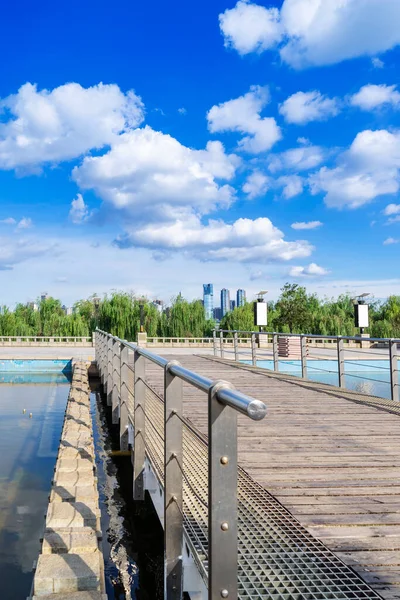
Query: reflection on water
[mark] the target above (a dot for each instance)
(133, 537)
(28, 450)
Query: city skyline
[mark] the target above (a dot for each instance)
(116, 173)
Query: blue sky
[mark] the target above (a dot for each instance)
(153, 147)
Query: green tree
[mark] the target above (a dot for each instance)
(293, 308)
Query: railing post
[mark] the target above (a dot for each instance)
(222, 498)
(109, 386)
(341, 366)
(394, 374)
(104, 342)
(116, 388)
(127, 365)
(221, 343)
(235, 345)
(140, 427)
(275, 351)
(303, 350)
(173, 486)
(253, 350)
(215, 342)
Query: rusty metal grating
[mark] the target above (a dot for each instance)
(278, 558)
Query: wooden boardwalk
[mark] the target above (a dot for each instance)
(330, 456)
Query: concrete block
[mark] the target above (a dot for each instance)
(72, 514)
(74, 478)
(58, 573)
(72, 596)
(73, 453)
(65, 465)
(69, 541)
(78, 493)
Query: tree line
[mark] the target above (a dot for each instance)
(296, 311)
(119, 313)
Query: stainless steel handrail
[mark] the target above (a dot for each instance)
(312, 336)
(118, 360)
(255, 409)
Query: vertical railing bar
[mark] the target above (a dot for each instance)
(394, 374)
(341, 364)
(253, 350)
(235, 345)
(126, 363)
(303, 351)
(221, 343)
(139, 427)
(115, 394)
(275, 351)
(222, 498)
(173, 484)
(215, 342)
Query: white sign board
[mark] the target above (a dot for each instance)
(260, 313)
(363, 315)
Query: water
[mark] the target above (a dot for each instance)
(132, 535)
(28, 451)
(366, 376)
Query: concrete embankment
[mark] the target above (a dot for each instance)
(70, 566)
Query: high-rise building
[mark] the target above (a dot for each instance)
(225, 302)
(217, 313)
(208, 300)
(159, 305)
(232, 305)
(44, 296)
(240, 297)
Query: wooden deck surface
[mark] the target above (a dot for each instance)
(330, 458)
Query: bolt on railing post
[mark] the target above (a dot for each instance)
(173, 484)
(127, 364)
(235, 345)
(341, 365)
(109, 387)
(394, 374)
(139, 449)
(275, 351)
(222, 498)
(221, 343)
(116, 384)
(253, 350)
(215, 342)
(303, 350)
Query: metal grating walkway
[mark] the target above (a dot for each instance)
(278, 558)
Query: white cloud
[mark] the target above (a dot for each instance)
(314, 32)
(79, 212)
(255, 275)
(245, 240)
(299, 159)
(256, 184)
(312, 270)
(151, 176)
(392, 209)
(292, 185)
(377, 63)
(243, 115)
(304, 107)
(373, 96)
(369, 169)
(15, 250)
(250, 28)
(25, 223)
(8, 221)
(182, 111)
(63, 123)
(306, 225)
(389, 241)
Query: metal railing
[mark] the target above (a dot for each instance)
(118, 362)
(43, 340)
(346, 357)
(180, 342)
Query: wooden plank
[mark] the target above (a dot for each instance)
(331, 456)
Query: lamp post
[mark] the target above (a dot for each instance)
(141, 309)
